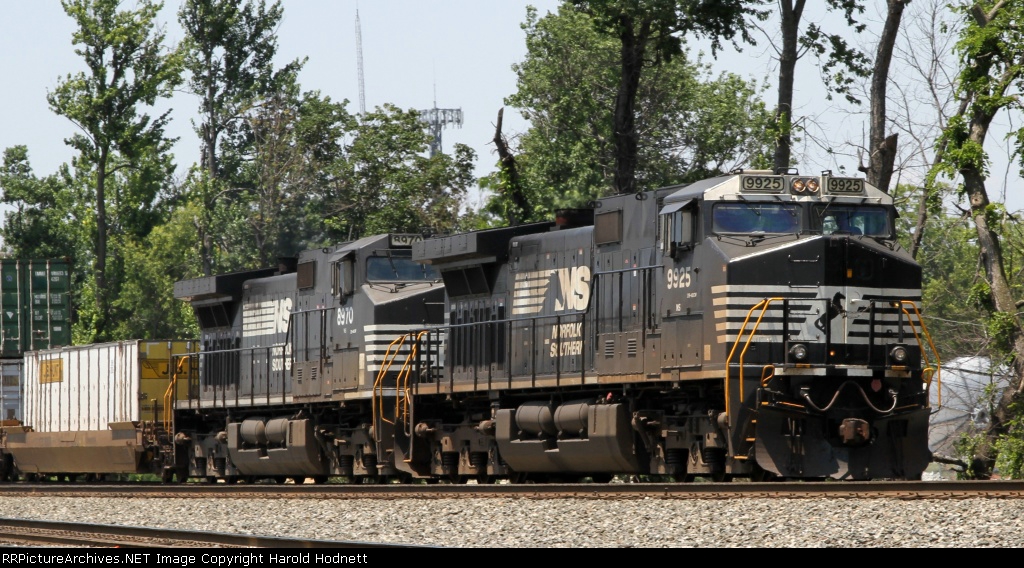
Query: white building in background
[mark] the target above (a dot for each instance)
(968, 385)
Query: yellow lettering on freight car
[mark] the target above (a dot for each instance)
(51, 371)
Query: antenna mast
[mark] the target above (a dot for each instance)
(359, 64)
(437, 119)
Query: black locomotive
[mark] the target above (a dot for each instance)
(754, 325)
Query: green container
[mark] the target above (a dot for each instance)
(35, 296)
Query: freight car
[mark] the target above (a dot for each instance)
(92, 411)
(755, 325)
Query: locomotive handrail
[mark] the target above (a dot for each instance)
(763, 304)
(401, 381)
(169, 393)
(935, 371)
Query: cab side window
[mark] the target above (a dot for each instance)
(678, 230)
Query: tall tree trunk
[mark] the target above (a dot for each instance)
(992, 260)
(100, 265)
(791, 14)
(520, 208)
(882, 148)
(634, 44)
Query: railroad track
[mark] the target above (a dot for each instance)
(20, 533)
(873, 489)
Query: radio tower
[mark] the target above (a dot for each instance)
(438, 118)
(359, 65)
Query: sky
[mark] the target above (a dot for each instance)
(455, 54)
(452, 54)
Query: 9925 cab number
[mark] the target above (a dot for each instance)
(845, 185)
(761, 183)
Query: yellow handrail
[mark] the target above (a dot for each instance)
(169, 395)
(937, 370)
(401, 381)
(378, 386)
(763, 304)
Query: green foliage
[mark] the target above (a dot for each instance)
(691, 123)
(1010, 449)
(842, 64)
(229, 49)
(967, 447)
(123, 155)
(39, 224)
(383, 181)
(1002, 328)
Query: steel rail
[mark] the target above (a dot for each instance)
(1004, 489)
(21, 532)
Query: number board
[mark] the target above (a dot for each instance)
(765, 184)
(844, 186)
(404, 240)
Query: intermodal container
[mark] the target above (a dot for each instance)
(11, 371)
(89, 387)
(35, 299)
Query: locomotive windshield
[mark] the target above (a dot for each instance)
(851, 220)
(756, 218)
(394, 268)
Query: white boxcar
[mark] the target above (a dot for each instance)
(90, 387)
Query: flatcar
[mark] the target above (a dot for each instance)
(758, 324)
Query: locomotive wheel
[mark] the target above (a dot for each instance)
(299, 479)
(602, 478)
(231, 479)
(759, 474)
(319, 479)
(519, 478)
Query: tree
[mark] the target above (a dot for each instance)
(840, 58)
(690, 124)
(40, 223)
(296, 142)
(991, 50)
(229, 49)
(385, 183)
(123, 154)
(650, 33)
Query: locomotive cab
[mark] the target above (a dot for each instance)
(811, 310)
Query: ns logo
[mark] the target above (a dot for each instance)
(574, 288)
(531, 290)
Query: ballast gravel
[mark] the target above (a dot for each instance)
(568, 523)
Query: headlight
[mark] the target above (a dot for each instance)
(812, 185)
(799, 185)
(898, 354)
(798, 352)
